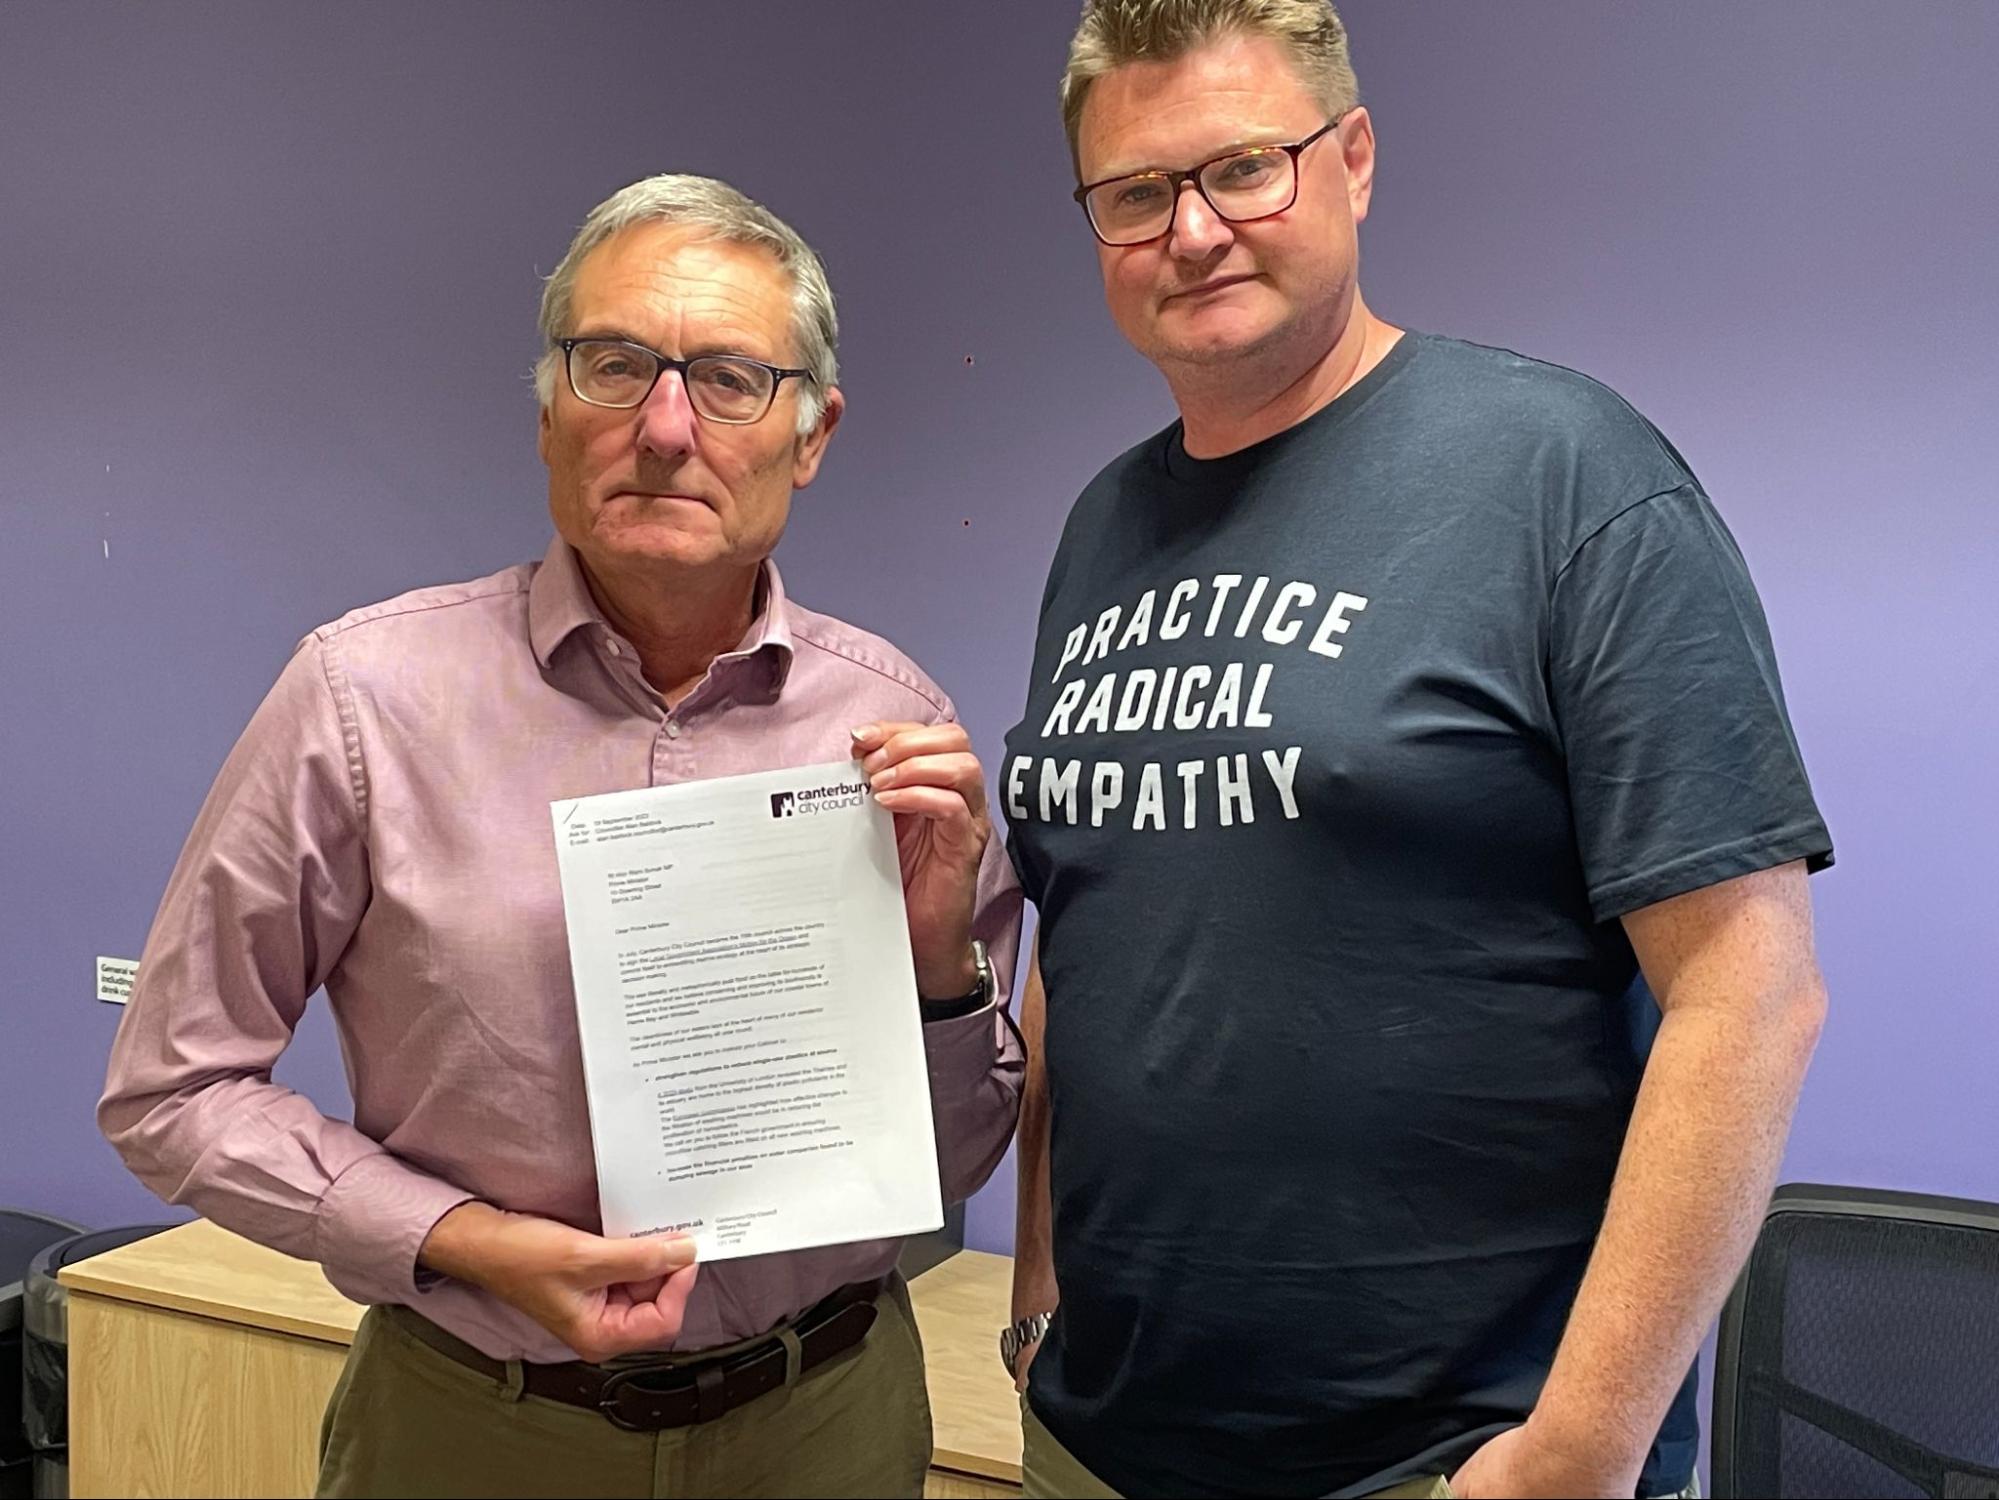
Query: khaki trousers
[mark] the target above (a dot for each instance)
(408, 1420)
(1052, 1472)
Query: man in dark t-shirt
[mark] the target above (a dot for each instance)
(1404, 744)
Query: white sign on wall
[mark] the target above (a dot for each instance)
(114, 979)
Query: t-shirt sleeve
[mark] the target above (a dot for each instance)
(1683, 770)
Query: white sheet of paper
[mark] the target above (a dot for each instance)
(752, 1043)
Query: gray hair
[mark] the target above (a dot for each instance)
(721, 213)
(1115, 32)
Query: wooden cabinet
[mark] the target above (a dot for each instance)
(200, 1364)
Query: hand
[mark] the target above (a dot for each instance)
(1520, 1462)
(927, 775)
(601, 1297)
(1026, 1359)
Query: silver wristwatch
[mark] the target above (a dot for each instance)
(984, 990)
(1015, 1340)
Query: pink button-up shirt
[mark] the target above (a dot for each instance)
(382, 829)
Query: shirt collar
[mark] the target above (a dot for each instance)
(559, 605)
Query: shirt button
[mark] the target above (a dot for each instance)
(672, 729)
(613, 647)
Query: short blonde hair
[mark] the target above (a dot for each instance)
(1115, 32)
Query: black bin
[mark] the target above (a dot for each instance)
(44, 1404)
(22, 1234)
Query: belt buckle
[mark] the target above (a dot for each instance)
(607, 1401)
(610, 1399)
(706, 1383)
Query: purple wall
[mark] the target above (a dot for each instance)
(269, 281)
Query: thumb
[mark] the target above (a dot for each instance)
(647, 1258)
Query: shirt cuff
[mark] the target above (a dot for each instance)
(372, 1224)
(961, 1050)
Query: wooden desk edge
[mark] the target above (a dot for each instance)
(119, 1289)
(975, 1466)
(119, 1276)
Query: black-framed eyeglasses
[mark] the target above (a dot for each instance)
(617, 373)
(1241, 186)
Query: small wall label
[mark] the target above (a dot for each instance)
(114, 979)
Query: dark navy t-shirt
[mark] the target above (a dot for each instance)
(1342, 756)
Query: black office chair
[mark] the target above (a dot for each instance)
(1859, 1352)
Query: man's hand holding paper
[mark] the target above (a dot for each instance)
(927, 775)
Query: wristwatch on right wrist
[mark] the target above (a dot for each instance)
(1021, 1336)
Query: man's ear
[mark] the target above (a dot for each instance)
(1356, 135)
(810, 447)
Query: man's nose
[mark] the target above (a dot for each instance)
(668, 425)
(1198, 231)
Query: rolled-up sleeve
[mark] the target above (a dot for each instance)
(976, 1062)
(267, 893)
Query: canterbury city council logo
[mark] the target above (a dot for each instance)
(818, 799)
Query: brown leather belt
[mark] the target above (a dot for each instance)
(654, 1397)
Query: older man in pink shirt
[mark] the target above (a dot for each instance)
(382, 829)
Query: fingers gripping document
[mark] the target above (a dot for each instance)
(752, 1043)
